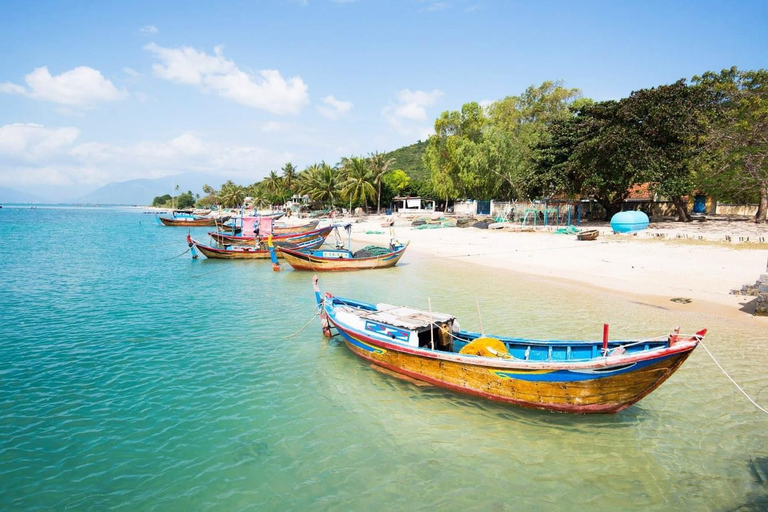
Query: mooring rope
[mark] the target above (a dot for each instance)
(317, 313)
(731, 379)
(178, 255)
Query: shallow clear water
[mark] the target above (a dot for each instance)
(135, 380)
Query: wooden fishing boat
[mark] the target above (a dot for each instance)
(342, 259)
(249, 240)
(302, 228)
(188, 221)
(563, 376)
(591, 234)
(248, 253)
(232, 228)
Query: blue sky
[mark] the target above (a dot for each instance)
(93, 92)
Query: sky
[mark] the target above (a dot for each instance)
(94, 92)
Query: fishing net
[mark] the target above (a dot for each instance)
(570, 230)
(488, 347)
(370, 251)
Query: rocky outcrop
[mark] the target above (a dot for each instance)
(761, 308)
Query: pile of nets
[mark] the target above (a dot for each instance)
(436, 226)
(371, 251)
(487, 347)
(570, 230)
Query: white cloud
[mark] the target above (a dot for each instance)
(436, 6)
(408, 115)
(266, 90)
(82, 87)
(10, 88)
(29, 142)
(334, 108)
(32, 155)
(131, 72)
(149, 29)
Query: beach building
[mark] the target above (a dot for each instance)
(413, 205)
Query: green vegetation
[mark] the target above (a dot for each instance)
(161, 201)
(185, 200)
(410, 160)
(709, 135)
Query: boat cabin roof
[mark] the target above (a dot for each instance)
(408, 318)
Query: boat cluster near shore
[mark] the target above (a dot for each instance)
(604, 376)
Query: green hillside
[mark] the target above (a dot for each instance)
(408, 158)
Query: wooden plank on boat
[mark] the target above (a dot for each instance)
(400, 376)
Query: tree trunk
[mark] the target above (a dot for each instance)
(682, 209)
(762, 208)
(378, 200)
(611, 207)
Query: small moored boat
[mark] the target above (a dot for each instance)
(188, 219)
(591, 234)
(343, 259)
(562, 376)
(248, 253)
(340, 258)
(248, 237)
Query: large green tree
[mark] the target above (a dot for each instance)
(593, 154)
(737, 161)
(670, 121)
(489, 152)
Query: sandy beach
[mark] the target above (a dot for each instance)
(697, 264)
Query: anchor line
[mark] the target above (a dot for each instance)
(731, 379)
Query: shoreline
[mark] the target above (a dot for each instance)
(650, 270)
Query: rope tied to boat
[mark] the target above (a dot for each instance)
(731, 379)
(178, 255)
(315, 315)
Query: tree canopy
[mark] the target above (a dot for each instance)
(709, 135)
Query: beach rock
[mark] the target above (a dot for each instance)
(464, 222)
(482, 224)
(761, 307)
(748, 289)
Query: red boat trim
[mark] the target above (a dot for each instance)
(679, 347)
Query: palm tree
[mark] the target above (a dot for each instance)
(232, 195)
(380, 166)
(273, 184)
(289, 176)
(357, 185)
(320, 182)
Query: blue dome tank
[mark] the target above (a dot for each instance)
(627, 222)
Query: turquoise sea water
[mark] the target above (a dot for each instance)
(133, 379)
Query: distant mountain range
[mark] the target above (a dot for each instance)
(9, 195)
(142, 191)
